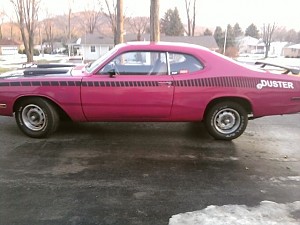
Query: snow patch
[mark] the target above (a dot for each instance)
(267, 213)
(282, 159)
(16, 61)
(283, 179)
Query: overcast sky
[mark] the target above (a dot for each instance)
(210, 13)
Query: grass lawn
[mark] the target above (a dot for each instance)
(3, 70)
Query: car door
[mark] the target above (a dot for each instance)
(189, 97)
(131, 87)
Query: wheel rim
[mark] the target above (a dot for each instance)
(34, 117)
(227, 121)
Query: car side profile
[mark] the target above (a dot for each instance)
(144, 81)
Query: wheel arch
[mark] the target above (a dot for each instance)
(245, 103)
(61, 112)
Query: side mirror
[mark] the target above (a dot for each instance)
(112, 73)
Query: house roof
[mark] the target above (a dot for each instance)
(92, 39)
(205, 41)
(248, 40)
(297, 46)
(8, 42)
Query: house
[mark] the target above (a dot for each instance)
(91, 46)
(276, 48)
(250, 45)
(8, 47)
(292, 51)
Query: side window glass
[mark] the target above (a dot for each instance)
(158, 63)
(137, 63)
(183, 63)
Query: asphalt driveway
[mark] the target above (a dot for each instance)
(143, 173)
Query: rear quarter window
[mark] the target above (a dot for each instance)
(184, 63)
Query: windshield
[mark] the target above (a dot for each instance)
(91, 67)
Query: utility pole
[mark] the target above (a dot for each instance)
(120, 22)
(225, 41)
(154, 21)
(70, 48)
(69, 31)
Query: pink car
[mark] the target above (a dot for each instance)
(145, 81)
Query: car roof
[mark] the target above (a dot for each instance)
(147, 45)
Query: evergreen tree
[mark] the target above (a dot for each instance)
(171, 24)
(252, 31)
(230, 39)
(207, 32)
(219, 37)
(237, 30)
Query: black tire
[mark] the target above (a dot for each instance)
(226, 120)
(36, 117)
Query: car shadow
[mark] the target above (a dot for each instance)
(189, 129)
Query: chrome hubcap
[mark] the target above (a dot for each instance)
(227, 121)
(33, 117)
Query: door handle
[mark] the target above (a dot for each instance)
(165, 83)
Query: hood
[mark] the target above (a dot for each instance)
(42, 71)
(33, 72)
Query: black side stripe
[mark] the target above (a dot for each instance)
(238, 82)
(15, 84)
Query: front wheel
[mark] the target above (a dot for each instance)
(226, 120)
(36, 117)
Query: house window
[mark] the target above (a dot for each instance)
(93, 48)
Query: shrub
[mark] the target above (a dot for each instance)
(35, 52)
(21, 51)
(231, 52)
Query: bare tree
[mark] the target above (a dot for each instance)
(27, 15)
(64, 28)
(282, 34)
(139, 26)
(267, 33)
(112, 16)
(70, 6)
(2, 16)
(154, 21)
(92, 15)
(14, 32)
(191, 19)
(48, 26)
(92, 20)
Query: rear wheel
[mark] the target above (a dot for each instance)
(226, 120)
(36, 117)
